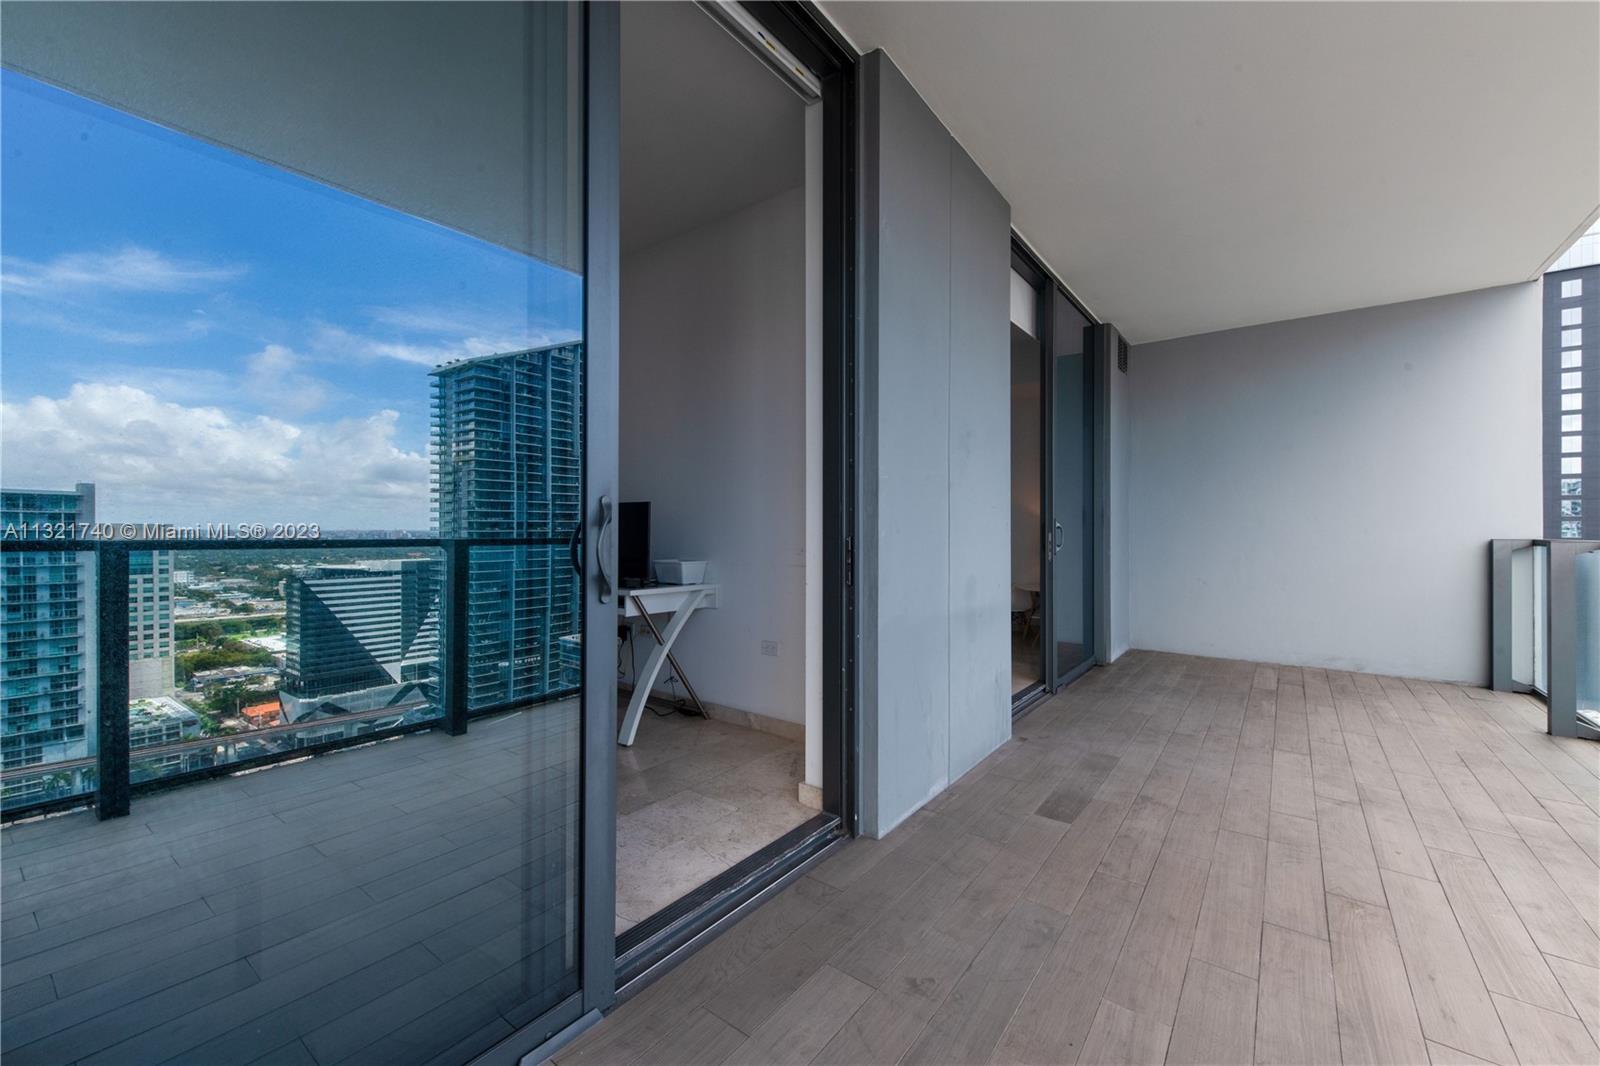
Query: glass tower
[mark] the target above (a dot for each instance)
(1572, 392)
(48, 630)
(506, 430)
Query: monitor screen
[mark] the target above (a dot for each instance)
(633, 544)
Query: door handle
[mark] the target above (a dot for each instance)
(1058, 538)
(600, 549)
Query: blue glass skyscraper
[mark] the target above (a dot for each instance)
(508, 463)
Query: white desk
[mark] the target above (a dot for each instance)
(682, 601)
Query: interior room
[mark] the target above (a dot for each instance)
(718, 524)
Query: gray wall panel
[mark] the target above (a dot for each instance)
(1118, 585)
(980, 461)
(912, 233)
(934, 445)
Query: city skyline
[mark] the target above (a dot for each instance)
(212, 339)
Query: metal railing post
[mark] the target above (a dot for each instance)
(453, 641)
(111, 703)
(1501, 645)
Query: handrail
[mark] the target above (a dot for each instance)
(114, 760)
(180, 747)
(61, 766)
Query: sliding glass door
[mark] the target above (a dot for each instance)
(1071, 461)
(1052, 479)
(304, 362)
(1030, 548)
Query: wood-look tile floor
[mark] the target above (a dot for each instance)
(1187, 860)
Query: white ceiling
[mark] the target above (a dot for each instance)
(706, 127)
(1191, 167)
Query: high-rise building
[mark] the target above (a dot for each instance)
(1572, 392)
(507, 463)
(151, 640)
(360, 636)
(47, 646)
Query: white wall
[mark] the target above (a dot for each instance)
(713, 434)
(1321, 492)
(814, 458)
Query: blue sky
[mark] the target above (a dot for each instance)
(211, 339)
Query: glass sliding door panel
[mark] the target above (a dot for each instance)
(1071, 479)
(1027, 489)
(294, 303)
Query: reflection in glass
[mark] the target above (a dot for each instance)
(239, 323)
(506, 434)
(47, 653)
(1027, 491)
(1071, 479)
(280, 650)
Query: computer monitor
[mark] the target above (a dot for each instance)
(633, 544)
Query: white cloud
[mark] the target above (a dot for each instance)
(154, 460)
(273, 378)
(448, 338)
(127, 269)
(132, 328)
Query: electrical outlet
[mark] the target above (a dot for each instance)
(769, 647)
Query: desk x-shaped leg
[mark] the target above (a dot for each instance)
(661, 654)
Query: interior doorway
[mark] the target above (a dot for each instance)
(1053, 387)
(720, 449)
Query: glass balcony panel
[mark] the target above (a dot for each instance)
(524, 622)
(284, 649)
(1529, 575)
(1539, 624)
(47, 673)
(1588, 637)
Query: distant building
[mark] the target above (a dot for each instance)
(506, 432)
(360, 636)
(262, 715)
(250, 676)
(1572, 392)
(151, 641)
(47, 647)
(160, 720)
(276, 643)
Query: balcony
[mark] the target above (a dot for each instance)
(1187, 860)
(305, 907)
(1170, 838)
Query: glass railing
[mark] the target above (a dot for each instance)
(227, 655)
(1544, 608)
(47, 605)
(273, 651)
(1586, 573)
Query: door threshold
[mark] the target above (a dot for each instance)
(1028, 699)
(658, 943)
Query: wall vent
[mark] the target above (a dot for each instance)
(1122, 354)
